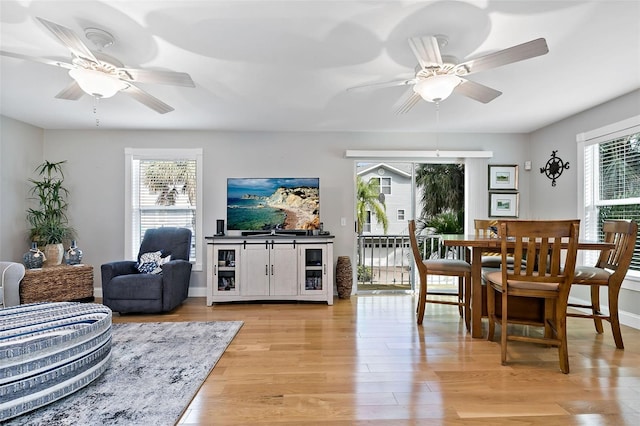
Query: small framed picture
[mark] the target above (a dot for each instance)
(503, 177)
(503, 204)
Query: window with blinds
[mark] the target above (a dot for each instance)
(165, 189)
(612, 186)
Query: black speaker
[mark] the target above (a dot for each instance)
(219, 227)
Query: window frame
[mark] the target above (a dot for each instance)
(163, 154)
(587, 229)
(380, 186)
(366, 226)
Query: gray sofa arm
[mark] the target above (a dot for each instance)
(11, 273)
(113, 269)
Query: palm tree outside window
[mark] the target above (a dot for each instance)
(368, 204)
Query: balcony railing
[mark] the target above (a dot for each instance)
(385, 262)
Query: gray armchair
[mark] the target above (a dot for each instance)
(164, 282)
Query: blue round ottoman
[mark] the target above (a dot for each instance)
(50, 350)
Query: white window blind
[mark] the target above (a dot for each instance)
(164, 190)
(612, 184)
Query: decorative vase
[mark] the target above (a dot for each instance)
(34, 258)
(73, 256)
(344, 277)
(53, 254)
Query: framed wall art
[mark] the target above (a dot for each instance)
(504, 204)
(503, 177)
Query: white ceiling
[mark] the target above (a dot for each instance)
(285, 65)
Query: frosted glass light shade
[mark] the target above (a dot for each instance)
(97, 83)
(436, 88)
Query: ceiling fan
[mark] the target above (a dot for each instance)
(101, 75)
(437, 75)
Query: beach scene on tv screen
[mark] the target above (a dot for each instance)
(263, 204)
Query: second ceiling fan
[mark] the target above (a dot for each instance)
(437, 75)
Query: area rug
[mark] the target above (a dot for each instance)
(155, 370)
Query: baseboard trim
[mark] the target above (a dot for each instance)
(197, 292)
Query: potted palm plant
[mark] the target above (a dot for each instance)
(49, 223)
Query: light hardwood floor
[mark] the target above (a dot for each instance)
(365, 361)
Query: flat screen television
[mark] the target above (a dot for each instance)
(264, 205)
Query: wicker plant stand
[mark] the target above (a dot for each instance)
(59, 283)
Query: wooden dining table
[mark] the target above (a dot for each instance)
(479, 245)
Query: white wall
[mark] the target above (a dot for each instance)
(21, 151)
(561, 200)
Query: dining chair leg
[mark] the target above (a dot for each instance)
(564, 355)
(460, 296)
(491, 311)
(467, 301)
(503, 330)
(561, 335)
(422, 298)
(614, 317)
(595, 308)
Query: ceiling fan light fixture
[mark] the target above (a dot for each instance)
(437, 88)
(97, 83)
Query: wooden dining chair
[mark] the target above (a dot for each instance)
(487, 228)
(547, 276)
(609, 271)
(444, 267)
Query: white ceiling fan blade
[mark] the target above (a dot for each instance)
(477, 91)
(37, 59)
(155, 77)
(427, 50)
(392, 83)
(147, 100)
(72, 92)
(517, 53)
(70, 40)
(406, 101)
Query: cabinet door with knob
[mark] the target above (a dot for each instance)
(255, 270)
(269, 269)
(312, 267)
(223, 272)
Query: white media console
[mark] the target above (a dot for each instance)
(269, 267)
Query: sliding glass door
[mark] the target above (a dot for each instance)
(388, 194)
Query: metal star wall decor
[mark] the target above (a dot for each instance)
(554, 167)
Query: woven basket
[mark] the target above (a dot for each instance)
(344, 277)
(57, 284)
